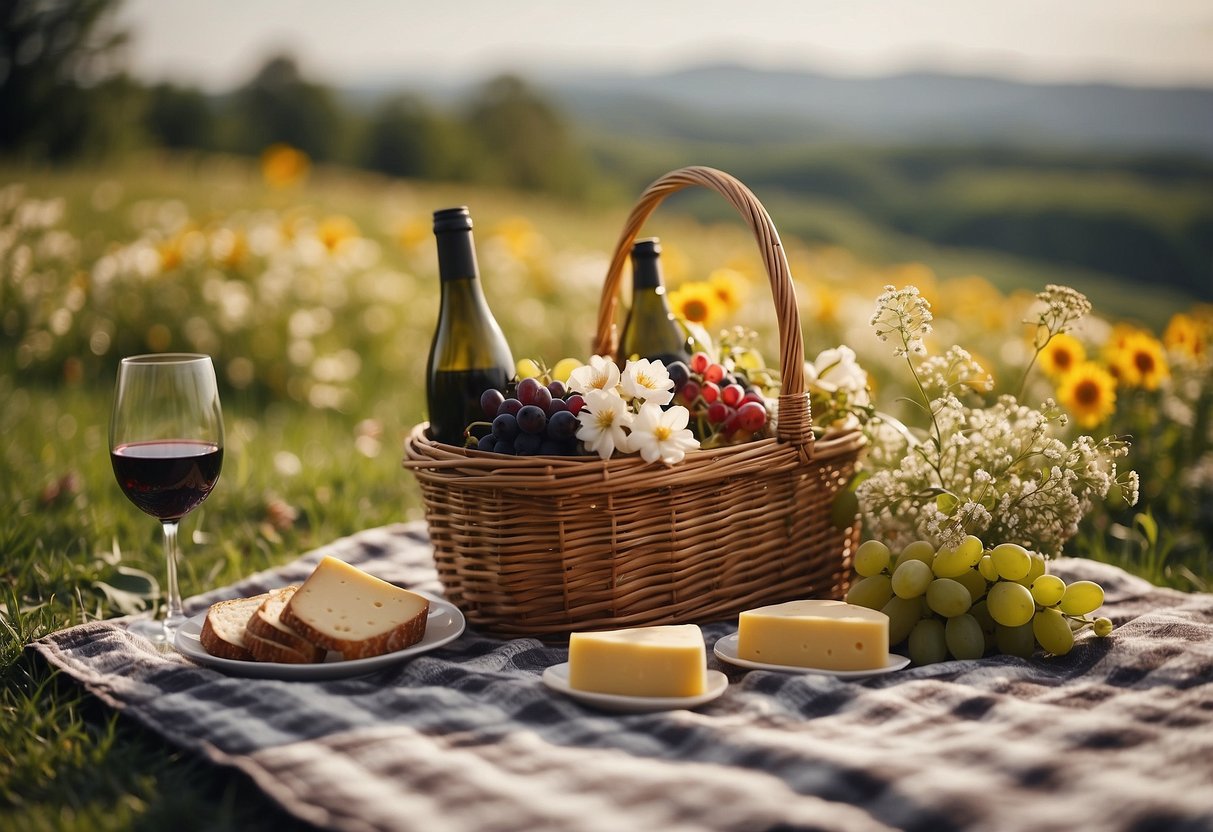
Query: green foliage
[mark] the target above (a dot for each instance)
(62, 93)
(279, 105)
(522, 139)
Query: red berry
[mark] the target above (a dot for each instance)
(700, 362)
(732, 395)
(730, 422)
(714, 372)
(753, 397)
(575, 403)
(689, 392)
(717, 412)
(710, 391)
(751, 417)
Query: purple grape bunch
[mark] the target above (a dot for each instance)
(536, 420)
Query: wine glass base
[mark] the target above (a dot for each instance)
(154, 630)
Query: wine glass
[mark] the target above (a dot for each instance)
(166, 446)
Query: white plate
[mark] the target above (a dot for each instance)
(444, 625)
(556, 677)
(726, 650)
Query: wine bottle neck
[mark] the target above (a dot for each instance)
(457, 256)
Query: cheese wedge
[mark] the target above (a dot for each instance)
(644, 661)
(831, 635)
(342, 608)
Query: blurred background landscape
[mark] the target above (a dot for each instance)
(256, 180)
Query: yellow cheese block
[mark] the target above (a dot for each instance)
(831, 635)
(643, 661)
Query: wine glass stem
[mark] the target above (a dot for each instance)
(175, 616)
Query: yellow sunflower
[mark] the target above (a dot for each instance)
(1140, 362)
(730, 287)
(283, 165)
(1185, 338)
(1062, 354)
(697, 302)
(1088, 391)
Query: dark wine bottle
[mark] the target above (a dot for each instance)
(650, 330)
(469, 353)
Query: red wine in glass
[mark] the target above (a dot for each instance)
(167, 479)
(166, 446)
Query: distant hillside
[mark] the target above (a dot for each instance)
(919, 107)
(1113, 182)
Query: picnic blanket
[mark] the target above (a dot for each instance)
(1118, 735)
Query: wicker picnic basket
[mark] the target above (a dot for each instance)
(543, 546)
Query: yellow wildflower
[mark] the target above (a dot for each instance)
(1088, 391)
(521, 239)
(283, 165)
(1185, 338)
(1140, 362)
(730, 287)
(696, 302)
(335, 230)
(414, 233)
(1062, 354)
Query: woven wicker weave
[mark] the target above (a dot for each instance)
(542, 546)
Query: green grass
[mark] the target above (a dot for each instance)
(66, 531)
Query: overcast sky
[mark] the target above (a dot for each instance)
(219, 43)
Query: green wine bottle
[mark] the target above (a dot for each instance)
(469, 353)
(650, 330)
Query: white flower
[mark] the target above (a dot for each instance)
(603, 419)
(837, 369)
(904, 314)
(600, 374)
(648, 381)
(662, 434)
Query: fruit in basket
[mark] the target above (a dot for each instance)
(1001, 600)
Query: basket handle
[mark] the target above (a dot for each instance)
(794, 424)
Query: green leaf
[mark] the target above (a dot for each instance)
(129, 590)
(1149, 527)
(947, 503)
(844, 509)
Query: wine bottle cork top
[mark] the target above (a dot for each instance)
(452, 219)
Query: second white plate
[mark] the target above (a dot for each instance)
(556, 677)
(726, 650)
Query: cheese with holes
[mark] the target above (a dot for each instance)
(643, 661)
(831, 635)
(358, 615)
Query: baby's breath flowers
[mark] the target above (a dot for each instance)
(997, 469)
(630, 412)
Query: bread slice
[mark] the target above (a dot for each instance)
(266, 625)
(223, 630)
(345, 609)
(268, 650)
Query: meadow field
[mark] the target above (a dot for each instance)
(316, 294)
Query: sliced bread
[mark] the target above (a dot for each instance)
(267, 650)
(223, 630)
(358, 615)
(266, 624)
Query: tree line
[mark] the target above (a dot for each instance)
(65, 95)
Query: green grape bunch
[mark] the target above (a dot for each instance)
(967, 601)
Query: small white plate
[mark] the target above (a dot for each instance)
(556, 677)
(444, 624)
(726, 650)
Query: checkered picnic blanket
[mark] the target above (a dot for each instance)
(1118, 735)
